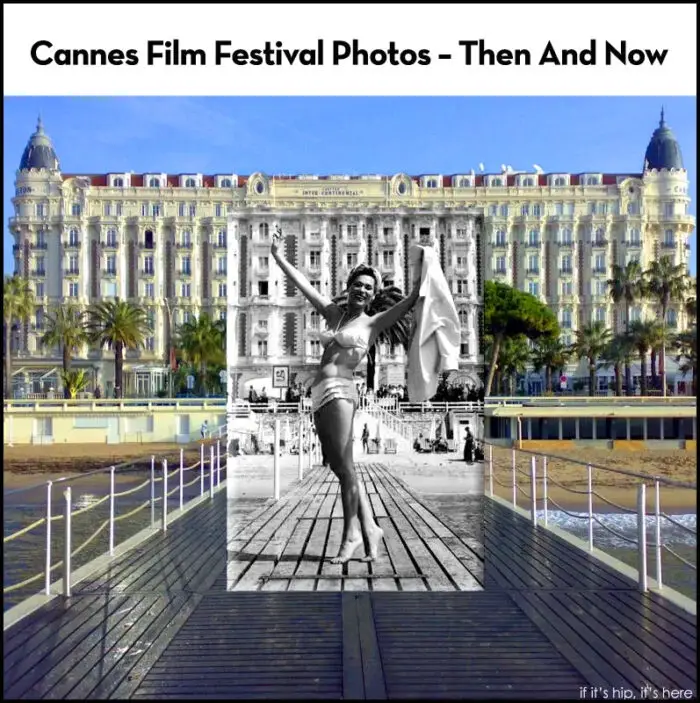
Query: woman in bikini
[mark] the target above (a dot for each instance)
(350, 334)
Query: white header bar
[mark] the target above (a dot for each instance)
(350, 49)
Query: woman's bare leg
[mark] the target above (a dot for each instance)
(334, 426)
(371, 532)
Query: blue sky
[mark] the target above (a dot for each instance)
(345, 135)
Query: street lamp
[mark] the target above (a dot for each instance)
(170, 346)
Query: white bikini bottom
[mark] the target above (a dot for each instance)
(330, 389)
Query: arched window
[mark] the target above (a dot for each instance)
(560, 181)
(190, 183)
(226, 183)
(528, 183)
(463, 183)
(222, 238)
(264, 230)
(463, 318)
(432, 183)
(111, 237)
(591, 181)
(497, 182)
(154, 183)
(118, 182)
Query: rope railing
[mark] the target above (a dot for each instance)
(545, 481)
(210, 468)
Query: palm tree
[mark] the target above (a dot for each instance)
(202, 342)
(687, 345)
(618, 354)
(551, 354)
(74, 382)
(590, 344)
(626, 286)
(397, 335)
(66, 328)
(691, 308)
(667, 282)
(17, 307)
(120, 325)
(513, 358)
(643, 334)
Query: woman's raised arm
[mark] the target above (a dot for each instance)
(320, 302)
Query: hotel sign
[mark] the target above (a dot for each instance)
(331, 192)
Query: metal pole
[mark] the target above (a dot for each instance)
(309, 435)
(153, 491)
(182, 477)
(657, 546)
(642, 536)
(211, 471)
(111, 510)
(49, 485)
(218, 461)
(300, 457)
(276, 461)
(533, 489)
(165, 495)
(544, 486)
(515, 479)
(490, 469)
(67, 544)
(201, 469)
(590, 508)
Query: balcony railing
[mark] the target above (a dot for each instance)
(533, 245)
(600, 269)
(499, 244)
(185, 272)
(71, 243)
(220, 245)
(566, 243)
(668, 245)
(500, 272)
(110, 272)
(183, 245)
(600, 243)
(110, 244)
(39, 245)
(568, 270)
(71, 272)
(633, 243)
(39, 272)
(532, 271)
(147, 272)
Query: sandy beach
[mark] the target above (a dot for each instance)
(424, 473)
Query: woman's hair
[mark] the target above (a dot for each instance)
(365, 270)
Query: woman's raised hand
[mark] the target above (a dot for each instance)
(276, 238)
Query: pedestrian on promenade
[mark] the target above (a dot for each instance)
(365, 438)
(204, 429)
(352, 329)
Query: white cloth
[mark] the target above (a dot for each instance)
(435, 338)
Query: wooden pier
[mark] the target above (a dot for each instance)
(253, 609)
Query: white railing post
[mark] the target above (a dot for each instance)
(657, 540)
(276, 461)
(67, 544)
(533, 489)
(590, 508)
(490, 469)
(201, 469)
(218, 461)
(111, 510)
(153, 491)
(515, 478)
(182, 477)
(211, 471)
(544, 488)
(300, 457)
(642, 536)
(49, 485)
(309, 435)
(165, 495)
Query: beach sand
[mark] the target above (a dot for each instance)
(432, 474)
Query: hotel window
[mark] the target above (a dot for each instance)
(352, 260)
(263, 288)
(462, 287)
(601, 287)
(154, 183)
(633, 208)
(600, 263)
(431, 183)
(221, 238)
(112, 265)
(187, 265)
(225, 182)
(186, 316)
(263, 262)
(41, 239)
(185, 290)
(388, 258)
(668, 210)
(493, 210)
(119, 209)
(264, 230)
(40, 210)
(500, 265)
(635, 237)
(533, 263)
(566, 237)
(73, 263)
(190, 183)
(529, 183)
(534, 237)
(504, 211)
(181, 209)
(567, 288)
(668, 238)
(222, 290)
(73, 238)
(566, 264)
(108, 209)
(39, 289)
(599, 236)
(186, 238)
(150, 343)
(461, 262)
(497, 183)
(144, 209)
(566, 319)
(217, 210)
(537, 210)
(460, 233)
(118, 183)
(73, 290)
(315, 348)
(222, 315)
(40, 267)
(111, 237)
(671, 317)
(533, 287)
(193, 210)
(148, 264)
(463, 318)
(149, 291)
(315, 259)
(221, 264)
(525, 210)
(560, 181)
(316, 285)
(262, 347)
(155, 211)
(591, 181)
(352, 231)
(262, 324)
(592, 209)
(314, 321)
(388, 231)
(75, 210)
(600, 315)
(602, 208)
(500, 238)
(558, 208)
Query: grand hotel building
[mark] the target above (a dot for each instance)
(167, 242)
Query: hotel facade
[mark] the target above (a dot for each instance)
(182, 244)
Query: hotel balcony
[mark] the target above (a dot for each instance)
(600, 242)
(532, 272)
(499, 244)
(71, 244)
(39, 245)
(183, 245)
(220, 245)
(533, 245)
(598, 270)
(668, 245)
(566, 271)
(39, 273)
(219, 274)
(148, 272)
(566, 244)
(185, 273)
(633, 243)
(71, 272)
(109, 244)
